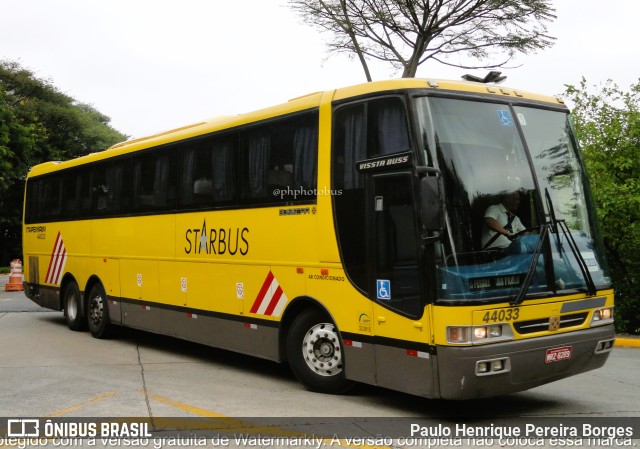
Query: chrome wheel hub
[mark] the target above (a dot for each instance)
(321, 350)
(96, 309)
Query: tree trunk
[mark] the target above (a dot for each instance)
(352, 36)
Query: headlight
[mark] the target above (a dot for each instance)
(602, 316)
(483, 332)
(479, 334)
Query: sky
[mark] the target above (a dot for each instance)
(155, 65)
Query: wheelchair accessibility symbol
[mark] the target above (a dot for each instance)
(505, 117)
(384, 289)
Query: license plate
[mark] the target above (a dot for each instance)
(558, 354)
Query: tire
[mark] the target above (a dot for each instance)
(98, 312)
(315, 353)
(73, 313)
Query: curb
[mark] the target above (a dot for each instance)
(627, 342)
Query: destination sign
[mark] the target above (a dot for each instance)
(495, 282)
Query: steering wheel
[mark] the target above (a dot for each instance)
(524, 231)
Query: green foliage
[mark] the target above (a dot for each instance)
(608, 126)
(38, 123)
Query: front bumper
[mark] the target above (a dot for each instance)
(525, 363)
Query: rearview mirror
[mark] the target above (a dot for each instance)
(431, 203)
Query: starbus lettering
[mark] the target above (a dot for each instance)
(218, 241)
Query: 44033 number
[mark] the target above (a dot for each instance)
(496, 316)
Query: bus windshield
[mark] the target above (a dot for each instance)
(507, 173)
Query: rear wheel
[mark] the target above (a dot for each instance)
(72, 307)
(98, 312)
(315, 353)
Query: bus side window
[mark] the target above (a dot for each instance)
(387, 127)
(223, 160)
(76, 194)
(195, 178)
(111, 187)
(280, 161)
(154, 180)
(256, 152)
(349, 146)
(305, 153)
(100, 189)
(32, 211)
(84, 193)
(208, 172)
(51, 194)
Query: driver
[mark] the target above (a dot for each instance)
(501, 223)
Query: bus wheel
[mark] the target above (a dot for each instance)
(98, 312)
(72, 310)
(315, 354)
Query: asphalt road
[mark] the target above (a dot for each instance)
(46, 370)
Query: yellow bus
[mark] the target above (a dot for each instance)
(347, 233)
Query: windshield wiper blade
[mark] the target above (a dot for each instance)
(561, 225)
(544, 232)
(554, 226)
(553, 221)
(588, 279)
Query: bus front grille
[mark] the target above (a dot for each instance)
(543, 324)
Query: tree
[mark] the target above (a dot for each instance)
(406, 33)
(608, 126)
(38, 123)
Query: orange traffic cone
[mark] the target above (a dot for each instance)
(15, 278)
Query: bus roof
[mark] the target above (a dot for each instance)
(297, 104)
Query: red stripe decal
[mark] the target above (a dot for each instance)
(274, 301)
(56, 272)
(53, 258)
(263, 292)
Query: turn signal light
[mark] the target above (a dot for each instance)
(479, 334)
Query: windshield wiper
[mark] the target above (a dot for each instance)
(554, 225)
(561, 225)
(588, 279)
(544, 232)
(553, 221)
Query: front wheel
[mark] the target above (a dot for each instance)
(315, 353)
(98, 312)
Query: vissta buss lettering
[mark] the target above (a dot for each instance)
(373, 164)
(217, 241)
(383, 162)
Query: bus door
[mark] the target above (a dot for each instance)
(401, 326)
